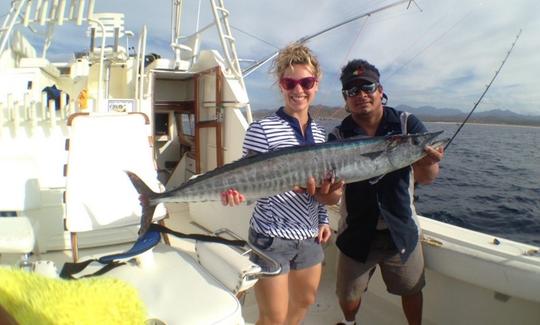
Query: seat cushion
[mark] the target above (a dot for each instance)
(177, 290)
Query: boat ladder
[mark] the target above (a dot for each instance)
(228, 42)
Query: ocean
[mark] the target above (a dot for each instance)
(489, 181)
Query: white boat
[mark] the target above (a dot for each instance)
(197, 109)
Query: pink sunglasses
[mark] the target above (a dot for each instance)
(306, 83)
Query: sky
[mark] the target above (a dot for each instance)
(439, 53)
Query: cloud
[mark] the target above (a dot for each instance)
(441, 56)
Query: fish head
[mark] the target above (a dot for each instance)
(404, 150)
(423, 139)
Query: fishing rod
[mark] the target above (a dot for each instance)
(485, 90)
(304, 39)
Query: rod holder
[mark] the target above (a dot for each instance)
(43, 106)
(43, 12)
(52, 113)
(60, 12)
(80, 13)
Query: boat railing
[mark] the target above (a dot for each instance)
(274, 266)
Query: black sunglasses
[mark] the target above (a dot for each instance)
(354, 91)
(306, 83)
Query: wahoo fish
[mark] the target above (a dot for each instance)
(274, 172)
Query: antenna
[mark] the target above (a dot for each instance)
(306, 38)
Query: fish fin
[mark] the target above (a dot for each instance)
(145, 197)
(359, 137)
(373, 155)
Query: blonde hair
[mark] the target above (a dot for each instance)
(295, 53)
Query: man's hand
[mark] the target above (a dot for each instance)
(329, 192)
(433, 156)
(427, 168)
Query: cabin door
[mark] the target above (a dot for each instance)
(188, 131)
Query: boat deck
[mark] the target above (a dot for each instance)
(467, 301)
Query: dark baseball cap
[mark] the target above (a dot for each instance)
(357, 70)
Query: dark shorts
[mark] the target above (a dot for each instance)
(291, 254)
(400, 278)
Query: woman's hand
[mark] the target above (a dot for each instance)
(325, 232)
(232, 197)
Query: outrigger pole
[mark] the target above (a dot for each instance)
(485, 90)
(304, 39)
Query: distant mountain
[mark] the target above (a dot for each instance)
(496, 116)
(430, 110)
(430, 114)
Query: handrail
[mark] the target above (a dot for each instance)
(276, 267)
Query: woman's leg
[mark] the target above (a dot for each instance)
(272, 294)
(303, 286)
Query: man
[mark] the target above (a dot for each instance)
(378, 225)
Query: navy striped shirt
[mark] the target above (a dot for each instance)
(287, 215)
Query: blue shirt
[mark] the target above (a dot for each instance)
(287, 215)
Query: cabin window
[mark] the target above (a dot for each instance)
(186, 123)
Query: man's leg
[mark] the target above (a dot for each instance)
(350, 308)
(352, 281)
(412, 307)
(406, 280)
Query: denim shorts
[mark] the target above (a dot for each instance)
(291, 254)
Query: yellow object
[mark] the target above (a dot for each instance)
(83, 100)
(31, 298)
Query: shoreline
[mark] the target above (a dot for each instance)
(323, 116)
(490, 124)
(449, 122)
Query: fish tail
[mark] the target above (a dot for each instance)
(145, 197)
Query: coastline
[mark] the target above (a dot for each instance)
(489, 124)
(325, 113)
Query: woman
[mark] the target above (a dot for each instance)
(290, 227)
